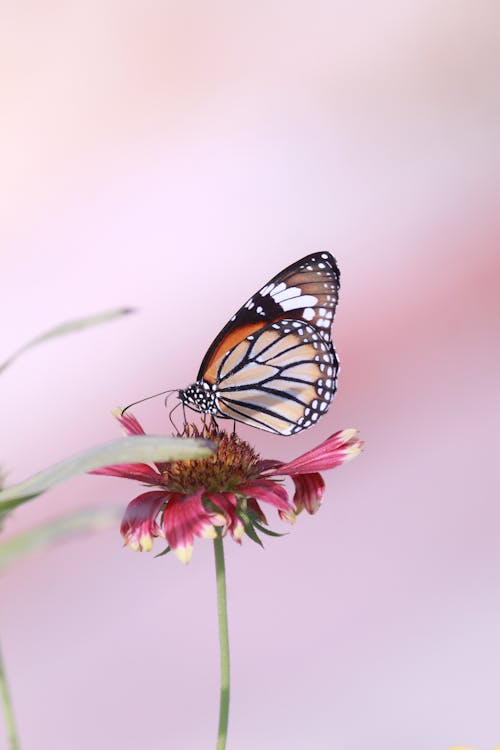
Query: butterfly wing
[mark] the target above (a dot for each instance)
(280, 378)
(306, 291)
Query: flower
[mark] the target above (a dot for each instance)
(195, 497)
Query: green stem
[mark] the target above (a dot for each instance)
(220, 570)
(7, 708)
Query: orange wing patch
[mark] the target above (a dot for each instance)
(228, 342)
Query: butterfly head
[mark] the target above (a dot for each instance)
(201, 397)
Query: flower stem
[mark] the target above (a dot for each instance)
(7, 708)
(220, 570)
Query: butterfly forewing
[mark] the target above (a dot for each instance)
(307, 290)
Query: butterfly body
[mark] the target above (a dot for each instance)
(273, 366)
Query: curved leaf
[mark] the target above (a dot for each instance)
(70, 327)
(79, 522)
(135, 449)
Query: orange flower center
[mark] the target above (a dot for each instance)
(234, 464)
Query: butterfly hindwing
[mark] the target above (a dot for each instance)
(305, 291)
(281, 378)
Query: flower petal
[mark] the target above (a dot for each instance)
(309, 492)
(184, 517)
(266, 464)
(268, 491)
(129, 423)
(337, 449)
(140, 472)
(139, 524)
(226, 501)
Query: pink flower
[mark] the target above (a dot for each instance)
(192, 498)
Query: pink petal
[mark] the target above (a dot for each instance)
(129, 423)
(186, 517)
(335, 450)
(140, 472)
(266, 464)
(267, 491)
(132, 427)
(139, 525)
(226, 501)
(309, 492)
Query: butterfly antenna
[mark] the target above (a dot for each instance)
(175, 390)
(134, 403)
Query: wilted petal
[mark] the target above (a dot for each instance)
(140, 472)
(267, 491)
(186, 517)
(226, 501)
(288, 515)
(337, 449)
(309, 492)
(139, 522)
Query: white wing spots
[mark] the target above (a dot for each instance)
(267, 289)
(296, 303)
(278, 289)
(287, 293)
(250, 304)
(308, 313)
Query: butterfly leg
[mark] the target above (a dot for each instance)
(214, 425)
(185, 419)
(177, 431)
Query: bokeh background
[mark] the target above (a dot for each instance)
(172, 156)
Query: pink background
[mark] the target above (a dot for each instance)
(174, 156)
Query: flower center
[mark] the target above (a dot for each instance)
(234, 464)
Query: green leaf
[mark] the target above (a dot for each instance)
(267, 531)
(80, 522)
(136, 449)
(165, 552)
(70, 327)
(249, 529)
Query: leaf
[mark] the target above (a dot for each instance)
(165, 552)
(135, 449)
(33, 540)
(267, 531)
(70, 327)
(249, 529)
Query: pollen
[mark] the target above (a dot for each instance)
(234, 464)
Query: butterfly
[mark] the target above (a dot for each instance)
(273, 366)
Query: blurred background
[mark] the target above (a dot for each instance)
(173, 156)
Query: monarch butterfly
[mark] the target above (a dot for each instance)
(273, 366)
